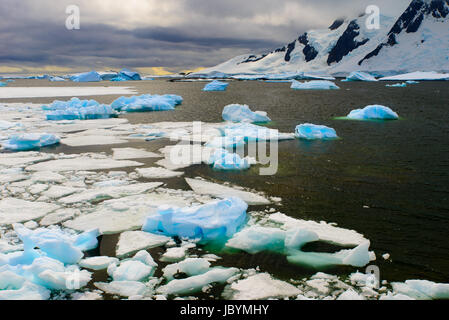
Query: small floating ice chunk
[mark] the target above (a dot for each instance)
(224, 160)
(216, 86)
(315, 132)
(97, 263)
(373, 112)
(29, 141)
(226, 142)
(221, 191)
(242, 113)
(138, 268)
(314, 85)
(397, 85)
(131, 242)
(174, 254)
(260, 287)
(196, 283)
(350, 294)
(190, 267)
(360, 76)
(5, 125)
(158, 173)
(213, 221)
(252, 132)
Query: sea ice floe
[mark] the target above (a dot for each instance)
(189, 267)
(76, 109)
(196, 283)
(373, 112)
(314, 85)
(56, 192)
(260, 287)
(216, 86)
(315, 132)
(103, 193)
(216, 220)
(14, 210)
(86, 140)
(29, 141)
(147, 102)
(174, 254)
(222, 191)
(350, 294)
(256, 239)
(422, 289)
(132, 153)
(131, 242)
(242, 113)
(122, 288)
(97, 263)
(44, 92)
(157, 173)
(82, 163)
(5, 125)
(226, 142)
(360, 76)
(251, 132)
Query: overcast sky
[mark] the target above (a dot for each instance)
(174, 34)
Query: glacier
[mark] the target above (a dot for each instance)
(216, 86)
(309, 131)
(242, 113)
(29, 141)
(215, 220)
(314, 85)
(373, 112)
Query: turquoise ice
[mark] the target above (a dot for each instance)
(309, 131)
(29, 141)
(216, 86)
(373, 112)
(242, 113)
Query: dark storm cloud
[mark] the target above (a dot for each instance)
(176, 34)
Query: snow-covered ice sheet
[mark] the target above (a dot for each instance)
(44, 92)
(418, 76)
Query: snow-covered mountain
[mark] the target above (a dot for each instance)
(415, 39)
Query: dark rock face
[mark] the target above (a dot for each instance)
(290, 47)
(346, 43)
(337, 24)
(309, 51)
(253, 58)
(411, 20)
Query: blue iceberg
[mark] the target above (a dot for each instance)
(3, 84)
(314, 85)
(129, 75)
(216, 220)
(147, 102)
(309, 131)
(76, 109)
(216, 86)
(360, 76)
(226, 161)
(56, 244)
(92, 76)
(374, 112)
(252, 133)
(29, 141)
(242, 113)
(225, 142)
(56, 79)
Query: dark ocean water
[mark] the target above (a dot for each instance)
(386, 180)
